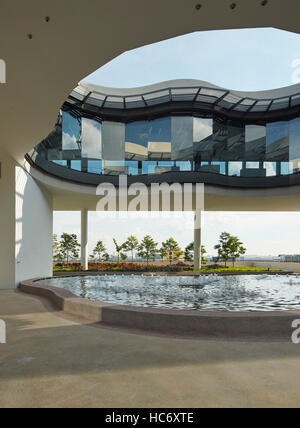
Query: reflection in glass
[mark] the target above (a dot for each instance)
(113, 141)
(286, 168)
(71, 131)
(60, 162)
(115, 167)
(182, 138)
(295, 143)
(277, 142)
(271, 169)
(91, 139)
(234, 168)
(255, 142)
(221, 167)
(173, 144)
(76, 165)
(94, 167)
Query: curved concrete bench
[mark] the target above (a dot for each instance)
(262, 326)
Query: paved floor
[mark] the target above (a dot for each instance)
(53, 362)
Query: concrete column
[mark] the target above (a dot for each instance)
(197, 241)
(84, 239)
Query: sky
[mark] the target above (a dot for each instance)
(246, 60)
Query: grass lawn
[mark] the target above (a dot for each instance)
(237, 269)
(59, 269)
(204, 269)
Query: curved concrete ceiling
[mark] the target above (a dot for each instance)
(68, 196)
(80, 37)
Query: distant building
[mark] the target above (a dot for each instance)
(171, 257)
(295, 258)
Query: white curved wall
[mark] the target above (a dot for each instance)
(7, 221)
(34, 224)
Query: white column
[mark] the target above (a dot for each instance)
(84, 239)
(197, 241)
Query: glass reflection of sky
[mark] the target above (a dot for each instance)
(71, 131)
(91, 139)
(178, 143)
(277, 131)
(143, 132)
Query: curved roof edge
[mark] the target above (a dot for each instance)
(196, 94)
(186, 83)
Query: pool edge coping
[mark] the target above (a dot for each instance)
(262, 326)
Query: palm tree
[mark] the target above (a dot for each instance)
(119, 249)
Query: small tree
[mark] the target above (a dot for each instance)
(148, 249)
(105, 257)
(123, 257)
(100, 251)
(229, 247)
(171, 249)
(236, 248)
(69, 246)
(119, 249)
(189, 253)
(56, 248)
(131, 244)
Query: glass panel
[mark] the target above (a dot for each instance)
(71, 127)
(255, 142)
(60, 162)
(294, 146)
(76, 164)
(91, 139)
(180, 143)
(277, 147)
(113, 141)
(184, 94)
(159, 143)
(157, 97)
(234, 168)
(136, 140)
(221, 167)
(184, 166)
(202, 138)
(235, 143)
(286, 168)
(271, 169)
(253, 169)
(149, 167)
(95, 167)
(165, 167)
(115, 167)
(182, 138)
(132, 167)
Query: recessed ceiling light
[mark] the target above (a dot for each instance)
(233, 6)
(47, 19)
(30, 36)
(198, 6)
(264, 2)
